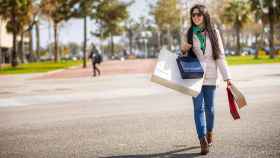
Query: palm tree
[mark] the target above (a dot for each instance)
(16, 12)
(86, 8)
(129, 28)
(236, 13)
(109, 15)
(269, 12)
(26, 25)
(36, 11)
(58, 11)
(167, 15)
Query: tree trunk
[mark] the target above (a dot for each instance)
(14, 62)
(112, 45)
(169, 38)
(0, 56)
(271, 32)
(30, 46)
(21, 53)
(1, 44)
(37, 29)
(85, 43)
(14, 50)
(221, 31)
(56, 58)
(130, 34)
(158, 41)
(257, 46)
(179, 38)
(238, 39)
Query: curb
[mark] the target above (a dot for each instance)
(53, 72)
(60, 70)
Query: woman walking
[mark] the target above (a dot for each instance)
(205, 43)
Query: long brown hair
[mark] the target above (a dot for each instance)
(209, 28)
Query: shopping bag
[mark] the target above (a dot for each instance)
(167, 74)
(232, 105)
(238, 96)
(190, 67)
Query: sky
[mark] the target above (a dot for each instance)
(72, 31)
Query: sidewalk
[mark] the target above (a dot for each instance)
(115, 67)
(127, 116)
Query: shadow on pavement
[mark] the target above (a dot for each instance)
(170, 154)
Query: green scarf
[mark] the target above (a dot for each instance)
(198, 32)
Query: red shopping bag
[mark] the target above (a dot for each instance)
(232, 105)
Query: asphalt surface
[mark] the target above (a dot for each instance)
(127, 116)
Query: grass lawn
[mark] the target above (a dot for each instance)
(238, 60)
(38, 67)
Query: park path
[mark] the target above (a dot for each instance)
(114, 67)
(128, 116)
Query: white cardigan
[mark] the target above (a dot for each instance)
(210, 65)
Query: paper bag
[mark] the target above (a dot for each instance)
(167, 74)
(238, 96)
(232, 105)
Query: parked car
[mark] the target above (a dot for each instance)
(131, 56)
(229, 52)
(277, 49)
(77, 56)
(267, 50)
(139, 54)
(46, 58)
(115, 57)
(248, 51)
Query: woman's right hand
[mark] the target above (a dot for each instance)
(229, 82)
(185, 47)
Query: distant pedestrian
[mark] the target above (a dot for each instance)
(204, 42)
(96, 58)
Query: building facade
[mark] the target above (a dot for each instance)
(6, 43)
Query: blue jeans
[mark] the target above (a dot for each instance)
(204, 110)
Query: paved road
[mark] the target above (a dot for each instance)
(128, 116)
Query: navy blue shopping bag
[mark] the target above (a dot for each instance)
(190, 67)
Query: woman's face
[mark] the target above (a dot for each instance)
(197, 17)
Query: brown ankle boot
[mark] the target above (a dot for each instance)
(209, 137)
(204, 146)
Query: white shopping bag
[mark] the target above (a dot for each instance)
(167, 74)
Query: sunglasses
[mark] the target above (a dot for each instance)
(196, 14)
